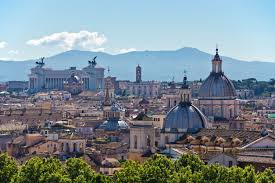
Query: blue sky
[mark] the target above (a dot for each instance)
(243, 29)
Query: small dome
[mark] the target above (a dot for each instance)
(217, 85)
(184, 118)
(113, 125)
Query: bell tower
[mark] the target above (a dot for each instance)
(138, 74)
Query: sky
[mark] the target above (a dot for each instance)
(243, 29)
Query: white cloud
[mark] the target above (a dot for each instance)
(5, 58)
(3, 44)
(13, 52)
(126, 50)
(71, 40)
(98, 49)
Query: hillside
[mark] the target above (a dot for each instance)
(156, 65)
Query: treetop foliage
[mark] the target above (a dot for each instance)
(157, 169)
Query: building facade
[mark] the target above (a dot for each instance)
(143, 88)
(42, 78)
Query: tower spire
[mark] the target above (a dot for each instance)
(107, 100)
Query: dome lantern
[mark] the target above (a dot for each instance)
(217, 63)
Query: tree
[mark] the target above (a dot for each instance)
(78, 170)
(193, 161)
(56, 178)
(8, 168)
(131, 173)
(41, 171)
(157, 168)
(266, 177)
(30, 172)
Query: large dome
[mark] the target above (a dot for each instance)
(217, 85)
(184, 118)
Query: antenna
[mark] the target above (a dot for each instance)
(108, 70)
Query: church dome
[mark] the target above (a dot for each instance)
(217, 85)
(184, 118)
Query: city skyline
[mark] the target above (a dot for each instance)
(31, 29)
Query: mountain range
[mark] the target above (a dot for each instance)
(156, 65)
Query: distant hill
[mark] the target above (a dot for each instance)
(156, 65)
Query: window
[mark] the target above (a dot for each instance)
(67, 147)
(166, 139)
(156, 143)
(135, 142)
(230, 163)
(148, 141)
(75, 149)
(230, 113)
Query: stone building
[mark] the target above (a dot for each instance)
(42, 78)
(72, 144)
(142, 137)
(143, 88)
(217, 96)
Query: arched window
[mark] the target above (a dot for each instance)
(67, 147)
(74, 147)
(62, 147)
(81, 146)
(135, 142)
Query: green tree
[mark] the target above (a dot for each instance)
(249, 174)
(30, 172)
(131, 173)
(41, 171)
(184, 175)
(266, 177)
(157, 168)
(78, 170)
(8, 168)
(56, 178)
(193, 161)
